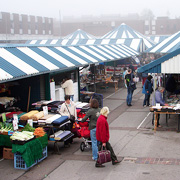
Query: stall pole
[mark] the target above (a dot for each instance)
(29, 94)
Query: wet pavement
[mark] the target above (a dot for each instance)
(144, 154)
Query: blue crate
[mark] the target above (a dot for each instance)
(44, 155)
(19, 162)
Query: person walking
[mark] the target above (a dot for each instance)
(93, 113)
(102, 135)
(147, 90)
(68, 87)
(129, 78)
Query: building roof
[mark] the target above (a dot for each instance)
(169, 63)
(22, 61)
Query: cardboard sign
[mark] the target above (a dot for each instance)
(15, 117)
(30, 122)
(15, 125)
(45, 110)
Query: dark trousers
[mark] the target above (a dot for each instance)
(146, 99)
(108, 147)
(157, 120)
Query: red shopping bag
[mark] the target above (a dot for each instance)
(104, 156)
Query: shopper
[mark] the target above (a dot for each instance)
(158, 98)
(68, 87)
(93, 114)
(68, 108)
(129, 78)
(124, 74)
(102, 135)
(147, 90)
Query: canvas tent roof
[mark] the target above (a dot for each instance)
(157, 39)
(22, 61)
(125, 32)
(135, 44)
(168, 45)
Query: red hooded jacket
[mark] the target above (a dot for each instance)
(102, 129)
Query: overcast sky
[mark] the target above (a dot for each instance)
(51, 8)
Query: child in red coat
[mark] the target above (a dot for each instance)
(102, 135)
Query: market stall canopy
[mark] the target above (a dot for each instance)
(169, 63)
(22, 61)
(168, 45)
(79, 34)
(158, 39)
(126, 32)
(135, 44)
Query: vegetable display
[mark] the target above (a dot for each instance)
(39, 132)
(22, 136)
(5, 127)
(27, 127)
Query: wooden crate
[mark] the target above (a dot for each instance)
(7, 153)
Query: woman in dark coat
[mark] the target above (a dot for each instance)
(147, 90)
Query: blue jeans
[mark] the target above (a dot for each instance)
(129, 95)
(94, 143)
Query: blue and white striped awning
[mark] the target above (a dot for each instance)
(21, 62)
(126, 32)
(135, 44)
(170, 44)
(158, 39)
(79, 34)
(168, 64)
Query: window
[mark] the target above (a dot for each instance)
(29, 18)
(11, 17)
(20, 17)
(12, 31)
(153, 22)
(20, 31)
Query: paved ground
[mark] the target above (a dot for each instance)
(144, 154)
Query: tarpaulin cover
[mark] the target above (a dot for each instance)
(32, 150)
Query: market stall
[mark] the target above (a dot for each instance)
(168, 64)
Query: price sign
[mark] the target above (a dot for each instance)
(15, 125)
(45, 110)
(15, 117)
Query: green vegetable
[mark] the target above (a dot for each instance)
(28, 128)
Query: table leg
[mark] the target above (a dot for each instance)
(155, 122)
(178, 123)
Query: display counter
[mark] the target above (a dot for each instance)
(168, 110)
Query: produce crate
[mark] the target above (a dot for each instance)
(19, 162)
(7, 153)
(44, 154)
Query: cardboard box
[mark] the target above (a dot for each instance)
(7, 153)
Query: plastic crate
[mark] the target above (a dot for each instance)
(44, 154)
(19, 162)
